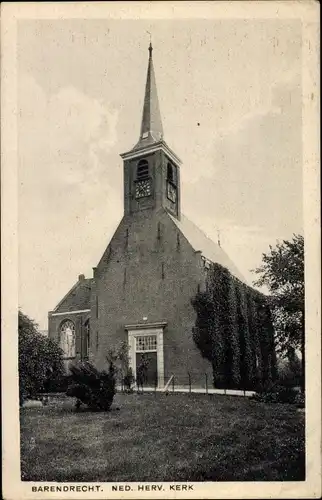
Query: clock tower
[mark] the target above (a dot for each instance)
(151, 168)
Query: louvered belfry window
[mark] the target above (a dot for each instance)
(142, 170)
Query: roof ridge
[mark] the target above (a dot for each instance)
(200, 241)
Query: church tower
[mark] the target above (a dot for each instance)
(143, 286)
(151, 168)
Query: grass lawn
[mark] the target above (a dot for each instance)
(179, 437)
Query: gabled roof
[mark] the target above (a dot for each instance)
(208, 248)
(77, 298)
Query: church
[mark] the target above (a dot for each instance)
(155, 263)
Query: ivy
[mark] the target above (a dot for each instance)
(246, 361)
(202, 331)
(234, 331)
(232, 336)
(267, 344)
(253, 322)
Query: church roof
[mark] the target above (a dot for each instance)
(78, 297)
(151, 125)
(208, 248)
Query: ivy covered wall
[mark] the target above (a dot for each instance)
(234, 331)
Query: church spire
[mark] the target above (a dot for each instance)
(151, 125)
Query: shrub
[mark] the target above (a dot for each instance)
(300, 400)
(56, 383)
(128, 381)
(276, 394)
(122, 363)
(92, 387)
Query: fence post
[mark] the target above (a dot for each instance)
(206, 383)
(189, 376)
(173, 384)
(155, 385)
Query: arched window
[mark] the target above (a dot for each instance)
(87, 338)
(171, 182)
(142, 171)
(171, 174)
(68, 339)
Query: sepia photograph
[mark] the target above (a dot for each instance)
(161, 335)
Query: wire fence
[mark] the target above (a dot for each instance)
(178, 382)
(171, 382)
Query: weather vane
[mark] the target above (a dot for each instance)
(150, 45)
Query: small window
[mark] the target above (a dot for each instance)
(142, 170)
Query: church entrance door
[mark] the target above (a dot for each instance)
(147, 369)
(146, 353)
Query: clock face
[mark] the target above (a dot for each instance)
(143, 188)
(172, 192)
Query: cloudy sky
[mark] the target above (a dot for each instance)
(230, 98)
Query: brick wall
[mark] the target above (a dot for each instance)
(149, 270)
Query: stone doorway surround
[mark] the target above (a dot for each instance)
(145, 330)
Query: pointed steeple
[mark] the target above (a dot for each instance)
(151, 125)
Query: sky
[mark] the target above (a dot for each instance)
(230, 99)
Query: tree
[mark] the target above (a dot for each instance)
(39, 358)
(119, 356)
(282, 271)
(123, 356)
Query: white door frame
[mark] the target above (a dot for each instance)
(147, 329)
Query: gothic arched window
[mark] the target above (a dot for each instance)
(171, 182)
(142, 170)
(87, 338)
(171, 174)
(68, 339)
